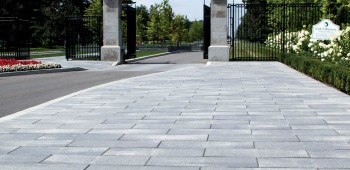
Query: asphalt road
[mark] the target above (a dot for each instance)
(177, 58)
(21, 92)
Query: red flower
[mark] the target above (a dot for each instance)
(11, 62)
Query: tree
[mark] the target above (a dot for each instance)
(49, 30)
(179, 31)
(45, 17)
(14, 8)
(336, 10)
(142, 17)
(166, 19)
(196, 31)
(95, 8)
(252, 27)
(153, 27)
(80, 4)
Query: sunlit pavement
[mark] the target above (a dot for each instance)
(215, 116)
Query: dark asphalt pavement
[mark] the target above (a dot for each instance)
(21, 92)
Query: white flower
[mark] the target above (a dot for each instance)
(295, 47)
(339, 54)
(330, 51)
(313, 40)
(325, 54)
(347, 29)
(348, 55)
(322, 59)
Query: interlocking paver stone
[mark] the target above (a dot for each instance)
(203, 161)
(154, 152)
(164, 137)
(205, 144)
(61, 150)
(113, 167)
(37, 166)
(303, 163)
(223, 116)
(263, 153)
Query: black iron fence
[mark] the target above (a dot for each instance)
(262, 31)
(14, 38)
(84, 37)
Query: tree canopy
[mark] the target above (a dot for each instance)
(259, 21)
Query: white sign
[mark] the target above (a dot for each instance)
(324, 30)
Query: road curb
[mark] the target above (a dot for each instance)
(147, 57)
(152, 56)
(44, 71)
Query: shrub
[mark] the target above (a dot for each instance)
(329, 73)
(336, 50)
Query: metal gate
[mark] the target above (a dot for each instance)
(206, 28)
(84, 37)
(131, 32)
(14, 38)
(251, 25)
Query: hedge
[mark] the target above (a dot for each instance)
(331, 74)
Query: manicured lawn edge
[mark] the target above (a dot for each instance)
(331, 74)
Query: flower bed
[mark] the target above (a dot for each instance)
(12, 65)
(327, 61)
(335, 51)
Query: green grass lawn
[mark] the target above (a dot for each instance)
(47, 55)
(42, 52)
(41, 49)
(60, 51)
(148, 53)
(244, 50)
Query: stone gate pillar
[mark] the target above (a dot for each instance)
(112, 34)
(219, 49)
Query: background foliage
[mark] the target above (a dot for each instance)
(258, 14)
(158, 24)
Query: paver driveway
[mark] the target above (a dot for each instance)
(223, 115)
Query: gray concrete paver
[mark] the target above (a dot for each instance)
(164, 137)
(204, 161)
(114, 167)
(122, 160)
(206, 144)
(261, 153)
(153, 152)
(220, 168)
(37, 166)
(245, 115)
(304, 163)
(60, 150)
